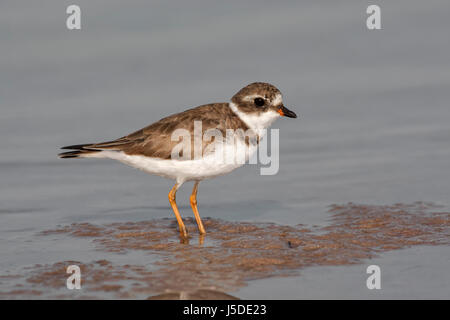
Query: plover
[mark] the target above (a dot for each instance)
(251, 110)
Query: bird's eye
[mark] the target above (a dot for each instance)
(259, 102)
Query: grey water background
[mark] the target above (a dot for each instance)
(374, 123)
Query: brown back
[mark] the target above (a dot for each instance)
(155, 139)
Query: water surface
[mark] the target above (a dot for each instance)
(373, 127)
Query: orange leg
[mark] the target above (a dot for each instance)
(193, 199)
(172, 195)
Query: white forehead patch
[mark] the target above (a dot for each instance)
(277, 100)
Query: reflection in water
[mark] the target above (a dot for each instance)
(232, 253)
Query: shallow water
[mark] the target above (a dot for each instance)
(373, 128)
(229, 257)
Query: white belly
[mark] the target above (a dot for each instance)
(184, 170)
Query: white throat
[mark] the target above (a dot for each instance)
(258, 123)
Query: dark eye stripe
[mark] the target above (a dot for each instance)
(259, 102)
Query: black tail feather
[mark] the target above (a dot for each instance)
(79, 150)
(77, 146)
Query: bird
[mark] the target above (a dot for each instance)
(156, 149)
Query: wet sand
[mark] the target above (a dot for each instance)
(231, 255)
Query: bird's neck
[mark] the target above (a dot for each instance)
(256, 122)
